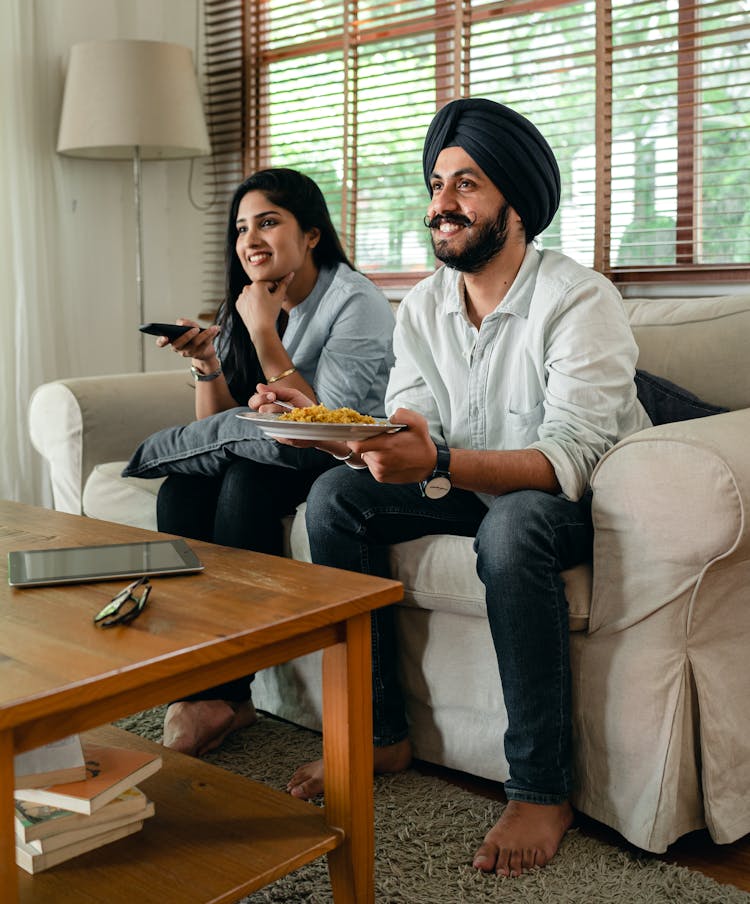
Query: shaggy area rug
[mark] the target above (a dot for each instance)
(427, 829)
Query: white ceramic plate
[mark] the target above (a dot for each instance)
(272, 426)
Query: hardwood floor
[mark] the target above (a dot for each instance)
(726, 863)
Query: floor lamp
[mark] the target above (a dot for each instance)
(134, 100)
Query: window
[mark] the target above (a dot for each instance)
(678, 146)
(644, 103)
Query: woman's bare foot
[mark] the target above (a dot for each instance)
(197, 726)
(525, 836)
(307, 781)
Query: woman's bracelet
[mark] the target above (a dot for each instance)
(284, 373)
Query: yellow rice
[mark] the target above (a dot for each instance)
(319, 414)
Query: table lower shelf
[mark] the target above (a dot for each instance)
(216, 837)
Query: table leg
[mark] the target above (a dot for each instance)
(348, 754)
(8, 871)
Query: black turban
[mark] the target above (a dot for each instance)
(509, 149)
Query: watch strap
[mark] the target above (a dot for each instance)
(443, 463)
(200, 377)
(442, 470)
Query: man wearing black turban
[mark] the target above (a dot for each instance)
(509, 149)
(514, 374)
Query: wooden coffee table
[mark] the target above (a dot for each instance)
(216, 836)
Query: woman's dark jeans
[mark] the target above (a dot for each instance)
(523, 541)
(243, 508)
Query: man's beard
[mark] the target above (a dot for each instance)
(481, 247)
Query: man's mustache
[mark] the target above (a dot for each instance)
(457, 218)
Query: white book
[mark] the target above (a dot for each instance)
(51, 764)
(109, 771)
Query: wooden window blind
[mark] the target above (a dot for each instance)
(644, 103)
(677, 144)
(224, 101)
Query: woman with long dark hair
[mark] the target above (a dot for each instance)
(295, 314)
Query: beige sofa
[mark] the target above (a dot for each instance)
(659, 626)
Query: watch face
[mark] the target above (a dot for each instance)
(437, 487)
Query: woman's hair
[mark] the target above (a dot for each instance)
(299, 195)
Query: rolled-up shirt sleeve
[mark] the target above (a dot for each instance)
(590, 395)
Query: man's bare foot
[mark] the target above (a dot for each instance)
(197, 726)
(307, 781)
(525, 836)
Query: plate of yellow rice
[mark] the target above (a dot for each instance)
(318, 423)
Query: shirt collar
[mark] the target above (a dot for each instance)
(322, 284)
(517, 299)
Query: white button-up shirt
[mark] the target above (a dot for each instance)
(551, 368)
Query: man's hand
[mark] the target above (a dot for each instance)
(404, 457)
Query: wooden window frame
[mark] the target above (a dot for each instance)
(451, 22)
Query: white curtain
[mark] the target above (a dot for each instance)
(67, 274)
(31, 247)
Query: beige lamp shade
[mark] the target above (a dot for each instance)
(125, 94)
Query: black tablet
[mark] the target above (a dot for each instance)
(76, 564)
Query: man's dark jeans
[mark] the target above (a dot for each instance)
(523, 541)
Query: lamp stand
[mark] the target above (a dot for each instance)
(138, 254)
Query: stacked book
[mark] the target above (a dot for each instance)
(72, 797)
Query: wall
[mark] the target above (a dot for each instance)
(97, 304)
(67, 226)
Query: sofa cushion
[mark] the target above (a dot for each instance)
(698, 343)
(131, 500)
(439, 573)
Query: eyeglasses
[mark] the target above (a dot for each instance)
(125, 607)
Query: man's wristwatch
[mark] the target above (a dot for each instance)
(439, 484)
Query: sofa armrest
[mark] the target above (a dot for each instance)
(670, 503)
(79, 423)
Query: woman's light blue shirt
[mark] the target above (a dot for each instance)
(340, 340)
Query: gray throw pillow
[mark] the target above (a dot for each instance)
(207, 447)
